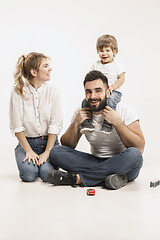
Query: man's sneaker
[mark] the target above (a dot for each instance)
(106, 128)
(86, 126)
(116, 181)
(62, 178)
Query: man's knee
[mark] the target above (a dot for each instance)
(133, 151)
(57, 150)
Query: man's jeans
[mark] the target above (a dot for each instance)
(29, 172)
(94, 170)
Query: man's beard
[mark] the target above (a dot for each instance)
(101, 106)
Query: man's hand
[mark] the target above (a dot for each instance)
(30, 155)
(82, 115)
(111, 116)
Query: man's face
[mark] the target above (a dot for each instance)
(96, 95)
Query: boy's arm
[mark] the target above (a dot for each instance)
(118, 83)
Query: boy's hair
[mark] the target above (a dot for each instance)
(95, 75)
(107, 41)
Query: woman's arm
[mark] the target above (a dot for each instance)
(50, 143)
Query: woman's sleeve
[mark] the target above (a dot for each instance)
(15, 114)
(56, 119)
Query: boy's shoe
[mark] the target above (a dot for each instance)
(106, 128)
(62, 178)
(86, 126)
(115, 181)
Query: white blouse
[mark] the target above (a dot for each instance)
(38, 113)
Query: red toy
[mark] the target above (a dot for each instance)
(91, 192)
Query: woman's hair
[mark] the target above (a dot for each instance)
(23, 69)
(107, 41)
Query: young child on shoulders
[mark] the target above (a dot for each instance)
(107, 48)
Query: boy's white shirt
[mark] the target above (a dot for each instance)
(110, 70)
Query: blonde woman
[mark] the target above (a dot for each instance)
(35, 116)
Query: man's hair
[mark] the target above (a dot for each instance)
(95, 75)
(107, 41)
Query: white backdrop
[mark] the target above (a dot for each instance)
(67, 32)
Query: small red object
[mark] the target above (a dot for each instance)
(91, 191)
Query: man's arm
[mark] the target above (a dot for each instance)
(71, 137)
(130, 135)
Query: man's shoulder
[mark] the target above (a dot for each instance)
(127, 113)
(123, 106)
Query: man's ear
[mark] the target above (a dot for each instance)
(108, 92)
(33, 72)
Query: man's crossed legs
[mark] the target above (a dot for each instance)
(114, 172)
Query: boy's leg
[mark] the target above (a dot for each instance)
(112, 102)
(93, 170)
(86, 125)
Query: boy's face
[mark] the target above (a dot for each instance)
(106, 54)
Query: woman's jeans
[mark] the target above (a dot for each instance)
(27, 171)
(94, 170)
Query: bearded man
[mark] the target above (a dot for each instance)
(116, 158)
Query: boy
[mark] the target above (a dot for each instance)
(107, 48)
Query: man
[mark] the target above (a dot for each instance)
(116, 158)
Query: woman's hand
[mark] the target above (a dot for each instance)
(43, 157)
(31, 156)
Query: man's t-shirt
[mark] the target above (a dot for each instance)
(106, 145)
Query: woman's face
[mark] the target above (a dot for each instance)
(43, 73)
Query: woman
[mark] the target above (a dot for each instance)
(35, 116)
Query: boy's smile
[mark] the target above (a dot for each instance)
(106, 55)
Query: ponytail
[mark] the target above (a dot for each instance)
(18, 76)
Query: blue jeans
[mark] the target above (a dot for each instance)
(27, 171)
(114, 99)
(94, 170)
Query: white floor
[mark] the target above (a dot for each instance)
(30, 211)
